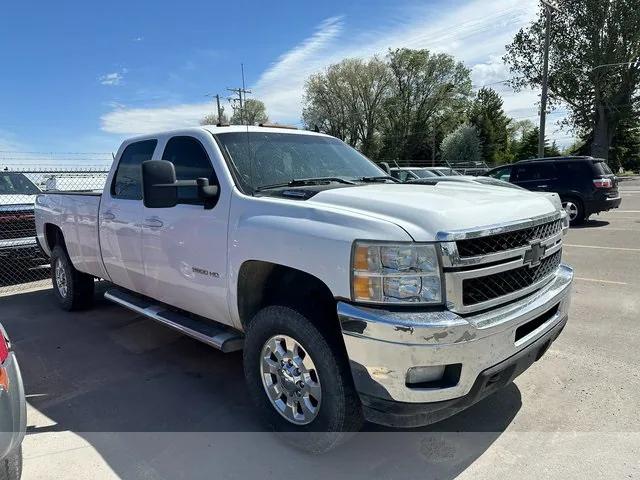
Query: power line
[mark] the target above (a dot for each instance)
(18, 152)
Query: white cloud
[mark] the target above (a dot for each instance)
(475, 33)
(147, 120)
(113, 79)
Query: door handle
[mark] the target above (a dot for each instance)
(109, 215)
(153, 222)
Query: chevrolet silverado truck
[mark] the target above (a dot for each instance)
(17, 226)
(352, 297)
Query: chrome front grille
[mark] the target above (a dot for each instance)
(482, 289)
(507, 241)
(17, 224)
(492, 265)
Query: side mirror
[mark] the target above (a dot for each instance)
(208, 193)
(159, 188)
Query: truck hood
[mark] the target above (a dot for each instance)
(16, 200)
(425, 210)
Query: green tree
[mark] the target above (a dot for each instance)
(487, 115)
(252, 113)
(592, 43)
(346, 101)
(625, 150)
(212, 118)
(462, 145)
(429, 92)
(527, 147)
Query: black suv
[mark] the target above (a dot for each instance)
(586, 185)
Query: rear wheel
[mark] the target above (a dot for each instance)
(300, 381)
(73, 289)
(574, 210)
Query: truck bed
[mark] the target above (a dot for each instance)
(76, 214)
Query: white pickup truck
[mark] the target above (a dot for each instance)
(353, 297)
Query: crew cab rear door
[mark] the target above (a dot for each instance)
(121, 215)
(185, 247)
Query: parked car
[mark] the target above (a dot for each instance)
(13, 412)
(586, 185)
(405, 174)
(353, 296)
(443, 171)
(17, 224)
(464, 179)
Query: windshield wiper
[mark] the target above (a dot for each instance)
(382, 178)
(301, 182)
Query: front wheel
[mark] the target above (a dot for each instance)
(300, 381)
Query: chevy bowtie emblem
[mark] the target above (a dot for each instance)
(534, 255)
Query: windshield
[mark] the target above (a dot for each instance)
(262, 159)
(422, 173)
(16, 184)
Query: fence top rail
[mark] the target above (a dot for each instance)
(66, 169)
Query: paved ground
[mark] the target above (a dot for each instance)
(113, 395)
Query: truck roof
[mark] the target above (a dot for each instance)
(227, 129)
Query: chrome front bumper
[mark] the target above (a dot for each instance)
(383, 345)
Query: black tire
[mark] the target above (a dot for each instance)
(11, 467)
(80, 287)
(339, 413)
(580, 216)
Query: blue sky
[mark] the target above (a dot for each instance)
(81, 76)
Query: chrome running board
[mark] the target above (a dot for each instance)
(218, 336)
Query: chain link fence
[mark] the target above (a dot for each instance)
(23, 265)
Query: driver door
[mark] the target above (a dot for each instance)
(185, 247)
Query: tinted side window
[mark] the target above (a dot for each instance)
(533, 171)
(127, 183)
(573, 172)
(602, 168)
(191, 162)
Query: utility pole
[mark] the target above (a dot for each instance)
(219, 109)
(241, 92)
(548, 7)
(220, 113)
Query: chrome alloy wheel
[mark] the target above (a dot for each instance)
(571, 209)
(290, 379)
(61, 279)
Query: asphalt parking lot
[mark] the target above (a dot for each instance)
(112, 395)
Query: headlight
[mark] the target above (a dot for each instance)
(395, 273)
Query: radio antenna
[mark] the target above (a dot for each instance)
(243, 91)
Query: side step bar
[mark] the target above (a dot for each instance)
(218, 336)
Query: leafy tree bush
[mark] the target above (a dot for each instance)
(462, 145)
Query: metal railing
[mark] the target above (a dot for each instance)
(464, 168)
(23, 265)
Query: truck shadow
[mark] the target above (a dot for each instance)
(591, 224)
(155, 404)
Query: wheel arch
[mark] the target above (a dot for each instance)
(53, 236)
(262, 283)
